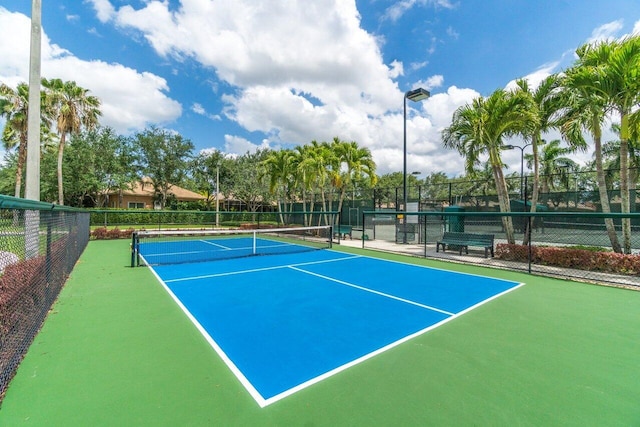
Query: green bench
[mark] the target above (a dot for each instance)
(464, 240)
(342, 231)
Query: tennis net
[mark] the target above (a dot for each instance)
(161, 247)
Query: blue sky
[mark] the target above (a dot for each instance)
(237, 75)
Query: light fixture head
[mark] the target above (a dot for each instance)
(417, 94)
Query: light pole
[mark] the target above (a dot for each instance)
(414, 95)
(511, 147)
(217, 195)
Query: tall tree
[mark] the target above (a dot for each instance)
(164, 158)
(315, 166)
(555, 166)
(354, 162)
(543, 104)
(611, 70)
(246, 184)
(279, 167)
(14, 106)
(478, 129)
(206, 168)
(74, 109)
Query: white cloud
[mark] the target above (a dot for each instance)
(636, 28)
(430, 83)
(606, 32)
(316, 47)
(451, 32)
(535, 78)
(397, 69)
(130, 99)
(399, 8)
(104, 9)
(415, 66)
(298, 74)
(200, 110)
(236, 146)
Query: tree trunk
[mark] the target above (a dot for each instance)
(22, 158)
(624, 182)
(503, 200)
(604, 196)
(534, 197)
(60, 155)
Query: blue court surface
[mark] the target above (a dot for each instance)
(284, 322)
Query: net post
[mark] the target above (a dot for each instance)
(254, 242)
(134, 249)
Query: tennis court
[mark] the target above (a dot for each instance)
(286, 321)
(117, 349)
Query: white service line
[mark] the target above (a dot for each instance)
(373, 291)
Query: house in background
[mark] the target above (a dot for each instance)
(142, 196)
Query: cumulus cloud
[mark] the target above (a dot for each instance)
(430, 83)
(130, 99)
(200, 110)
(399, 8)
(104, 9)
(397, 69)
(535, 78)
(606, 32)
(297, 70)
(236, 146)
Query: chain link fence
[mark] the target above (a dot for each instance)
(39, 245)
(570, 245)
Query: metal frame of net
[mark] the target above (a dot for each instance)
(161, 247)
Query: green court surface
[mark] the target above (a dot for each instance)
(116, 350)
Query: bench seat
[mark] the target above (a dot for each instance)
(343, 231)
(462, 241)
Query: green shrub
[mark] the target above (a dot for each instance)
(102, 233)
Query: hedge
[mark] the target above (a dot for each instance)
(582, 259)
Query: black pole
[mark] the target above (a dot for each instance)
(527, 229)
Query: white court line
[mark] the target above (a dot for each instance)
(428, 307)
(225, 248)
(260, 400)
(254, 270)
(265, 402)
(214, 244)
(226, 359)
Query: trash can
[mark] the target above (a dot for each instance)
(455, 222)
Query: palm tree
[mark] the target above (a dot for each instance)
(611, 70)
(278, 167)
(74, 109)
(544, 104)
(14, 105)
(611, 149)
(554, 165)
(316, 169)
(355, 162)
(478, 130)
